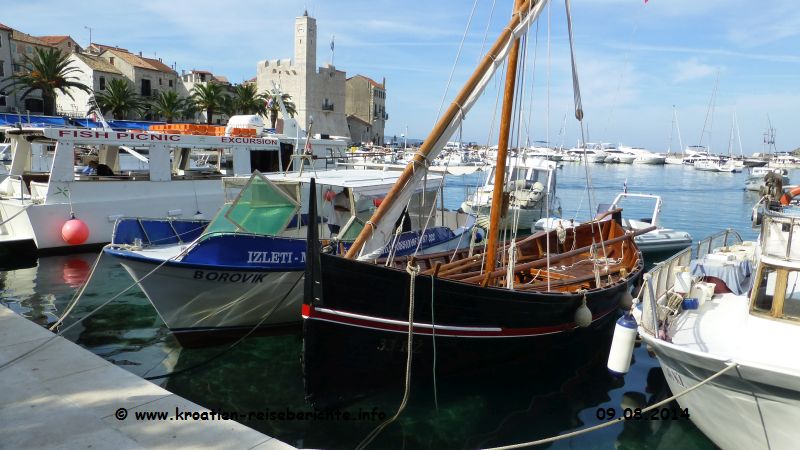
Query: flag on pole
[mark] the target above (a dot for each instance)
(333, 36)
(625, 183)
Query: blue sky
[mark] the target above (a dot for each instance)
(635, 61)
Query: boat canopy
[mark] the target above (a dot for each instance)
(260, 208)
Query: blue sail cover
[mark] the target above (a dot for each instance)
(86, 123)
(132, 124)
(32, 121)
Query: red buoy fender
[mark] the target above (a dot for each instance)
(787, 197)
(74, 232)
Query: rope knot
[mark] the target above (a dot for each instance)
(412, 270)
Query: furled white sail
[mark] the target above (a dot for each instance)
(383, 230)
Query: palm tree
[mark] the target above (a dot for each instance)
(48, 71)
(228, 105)
(248, 101)
(273, 107)
(119, 98)
(208, 97)
(168, 105)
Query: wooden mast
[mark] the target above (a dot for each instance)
(502, 152)
(441, 126)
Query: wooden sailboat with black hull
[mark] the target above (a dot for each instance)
(530, 299)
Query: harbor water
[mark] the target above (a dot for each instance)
(264, 374)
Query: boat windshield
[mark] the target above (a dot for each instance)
(777, 293)
(262, 207)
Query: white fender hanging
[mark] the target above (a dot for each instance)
(619, 358)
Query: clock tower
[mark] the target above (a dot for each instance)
(305, 43)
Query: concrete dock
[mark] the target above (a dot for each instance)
(64, 396)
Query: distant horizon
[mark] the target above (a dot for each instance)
(633, 65)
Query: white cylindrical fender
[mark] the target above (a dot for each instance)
(619, 358)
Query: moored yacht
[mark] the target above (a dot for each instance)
(644, 156)
(740, 325)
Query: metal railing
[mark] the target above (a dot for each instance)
(659, 280)
(777, 235)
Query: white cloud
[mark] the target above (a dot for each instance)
(691, 69)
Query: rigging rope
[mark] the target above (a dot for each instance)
(458, 56)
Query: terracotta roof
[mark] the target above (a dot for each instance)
(103, 48)
(222, 79)
(22, 37)
(97, 63)
(369, 80)
(158, 65)
(141, 62)
(53, 40)
(5, 27)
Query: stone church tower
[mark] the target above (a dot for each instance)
(317, 94)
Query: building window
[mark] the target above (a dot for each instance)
(160, 81)
(111, 60)
(145, 90)
(2, 68)
(2, 98)
(102, 83)
(170, 83)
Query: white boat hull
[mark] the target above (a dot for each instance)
(99, 205)
(663, 240)
(747, 408)
(198, 300)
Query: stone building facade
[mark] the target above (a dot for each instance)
(318, 93)
(8, 101)
(366, 109)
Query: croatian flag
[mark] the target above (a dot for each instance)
(270, 102)
(625, 183)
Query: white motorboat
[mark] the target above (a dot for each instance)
(710, 163)
(243, 270)
(741, 326)
(615, 155)
(643, 156)
(532, 189)
(756, 182)
(542, 150)
(592, 151)
(35, 207)
(659, 240)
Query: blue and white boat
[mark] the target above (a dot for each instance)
(242, 271)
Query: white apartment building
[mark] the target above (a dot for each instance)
(96, 73)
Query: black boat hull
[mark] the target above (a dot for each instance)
(356, 327)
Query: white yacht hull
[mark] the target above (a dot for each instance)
(747, 408)
(651, 160)
(100, 204)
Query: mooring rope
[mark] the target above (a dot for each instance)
(413, 271)
(731, 366)
(91, 313)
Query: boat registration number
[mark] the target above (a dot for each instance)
(674, 376)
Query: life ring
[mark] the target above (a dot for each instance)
(787, 197)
